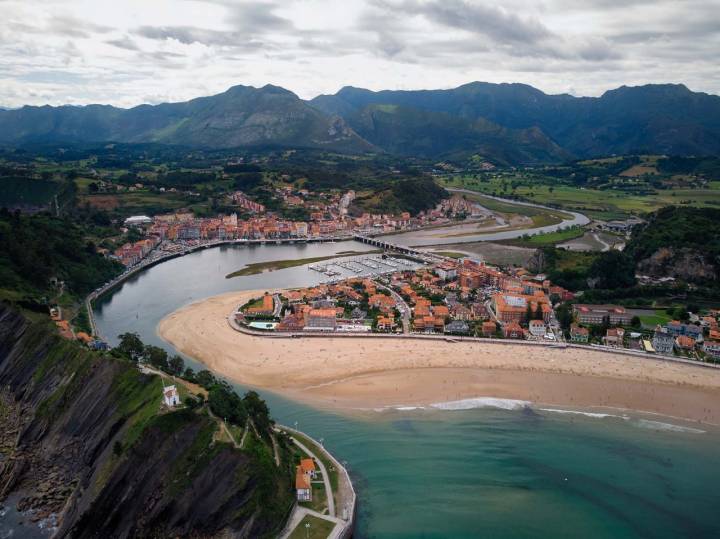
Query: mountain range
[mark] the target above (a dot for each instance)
(505, 123)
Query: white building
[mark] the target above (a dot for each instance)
(137, 220)
(537, 328)
(171, 396)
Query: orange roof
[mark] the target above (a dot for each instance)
(685, 342)
(322, 313)
(301, 479)
(441, 310)
(307, 465)
(84, 337)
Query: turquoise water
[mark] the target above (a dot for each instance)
(471, 473)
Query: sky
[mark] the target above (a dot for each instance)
(129, 52)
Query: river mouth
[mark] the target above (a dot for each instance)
(467, 472)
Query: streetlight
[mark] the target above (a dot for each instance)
(296, 424)
(307, 530)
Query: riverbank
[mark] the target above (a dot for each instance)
(359, 373)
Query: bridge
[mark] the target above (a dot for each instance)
(424, 256)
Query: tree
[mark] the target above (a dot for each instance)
(528, 312)
(156, 356)
(564, 315)
(205, 378)
(539, 312)
(93, 187)
(176, 365)
(636, 322)
(613, 269)
(131, 346)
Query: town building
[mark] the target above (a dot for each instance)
(513, 330)
(614, 337)
(684, 343)
(308, 467)
(537, 328)
(457, 327)
(595, 314)
(663, 341)
(579, 334)
(712, 349)
(489, 328)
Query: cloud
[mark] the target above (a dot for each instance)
(124, 43)
(491, 21)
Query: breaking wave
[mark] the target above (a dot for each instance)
(482, 402)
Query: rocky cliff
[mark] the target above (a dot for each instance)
(86, 446)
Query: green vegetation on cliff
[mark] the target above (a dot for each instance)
(97, 445)
(38, 251)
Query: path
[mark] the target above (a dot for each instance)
(605, 246)
(301, 512)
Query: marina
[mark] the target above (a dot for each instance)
(364, 266)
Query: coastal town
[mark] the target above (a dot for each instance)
(328, 220)
(467, 298)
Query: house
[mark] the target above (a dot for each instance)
(513, 331)
(303, 487)
(171, 397)
(457, 327)
(386, 323)
(663, 341)
(684, 343)
(446, 271)
(614, 337)
(308, 467)
(537, 328)
(579, 333)
(594, 314)
(489, 328)
(712, 348)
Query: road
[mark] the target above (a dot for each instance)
(402, 305)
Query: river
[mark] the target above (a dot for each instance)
(448, 235)
(480, 472)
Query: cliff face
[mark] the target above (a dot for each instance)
(83, 438)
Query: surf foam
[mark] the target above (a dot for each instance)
(481, 402)
(669, 427)
(596, 415)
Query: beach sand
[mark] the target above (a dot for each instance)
(362, 373)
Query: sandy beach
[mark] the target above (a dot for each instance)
(362, 373)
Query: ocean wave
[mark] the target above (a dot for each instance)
(482, 402)
(596, 415)
(669, 427)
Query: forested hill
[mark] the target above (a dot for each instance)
(505, 123)
(655, 118)
(679, 242)
(38, 251)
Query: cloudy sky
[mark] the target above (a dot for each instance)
(129, 52)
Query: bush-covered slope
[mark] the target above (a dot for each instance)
(679, 242)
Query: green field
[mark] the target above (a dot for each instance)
(652, 320)
(137, 202)
(549, 238)
(272, 265)
(599, 204)
(319, 528)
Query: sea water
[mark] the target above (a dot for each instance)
(482, 467)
